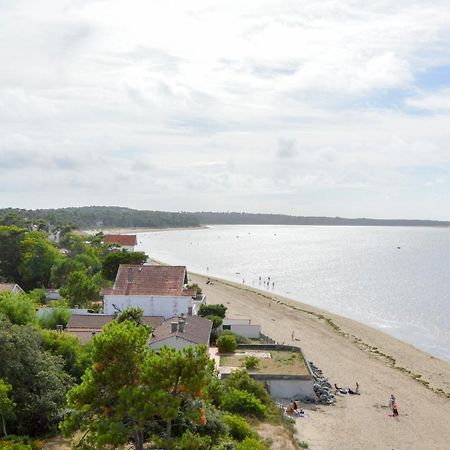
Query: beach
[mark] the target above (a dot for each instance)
(350, 352)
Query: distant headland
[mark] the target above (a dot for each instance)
(90, 217)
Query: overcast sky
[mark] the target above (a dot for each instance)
(337, 107)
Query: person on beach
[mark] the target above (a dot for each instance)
(395, 410)
(357, 388)
(391, 401)
(293, 334)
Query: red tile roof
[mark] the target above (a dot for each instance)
(121, 239)
(149, 280)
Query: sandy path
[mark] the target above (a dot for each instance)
(347, 352)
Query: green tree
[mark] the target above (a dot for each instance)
(39, 383)
(133, 314)
(19, 309)
(81, 288)
(55, 316)
(240, 379)
(112, 261)
(6, 404)
(10, 253)
(226, 343)
(38, 256)
(212, 310)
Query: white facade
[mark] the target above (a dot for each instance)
(243, 327)
(151, 305)
(176, 342)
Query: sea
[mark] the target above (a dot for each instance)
(395, 279)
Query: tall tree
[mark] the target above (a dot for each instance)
(113, 259)
(81, 288)
(6, 404)
(10, 252)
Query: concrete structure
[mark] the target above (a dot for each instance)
(85, 326)
(243, 327)
(181, 331)
(13, 288)
(124, 241)
(280, 385)
(158, 290)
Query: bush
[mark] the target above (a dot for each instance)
(238, 426)
(225, 444)
(243, 402)
(240, 379)
(193, 441)
(251, 362)
(212, 310)
(251, 444)
(20, 443)
(216, 320)
(56, 316)
(196, 287)
(240, 339)
(226, 344)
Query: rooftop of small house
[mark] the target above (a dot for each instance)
(124, 240)
(10, 287)
(150, 280)
(195, 329)
(273, 360)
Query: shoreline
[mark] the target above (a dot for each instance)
(348, 351)
(131, 230)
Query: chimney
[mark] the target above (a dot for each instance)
(130, 274)
(174, 327)
(181, 324)
(189, 311)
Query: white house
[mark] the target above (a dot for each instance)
(181, 331)
(13, 288)
(243, 327)
(124, 241)
(158, 290)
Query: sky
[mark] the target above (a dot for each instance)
(336, 108)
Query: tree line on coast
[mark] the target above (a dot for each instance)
(95, 217)
(113, 391)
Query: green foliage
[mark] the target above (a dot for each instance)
(53, 317)
(243, 402)
(240, 379)
(20, 443)
(81, 288)
(39, 383)
(6, 405)
(19, 309)
(238, 427)
(113, 259)
(38, 256)
(216, 320)
(74, 355)
(133, 314)
(240, 339)
(193, 441)
(251, 362)
(225, 444)
(226, 344)
(212, 310)
(251, 444)
(10, 253)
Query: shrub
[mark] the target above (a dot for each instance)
(251, 362)
(251, 444)
(212, 310)
(238, 426)
(240, 339)
(56, 316)
(240, 379)
(216, 320)
(225, 444)
(193, 441)
(243, 402)
(226, 344)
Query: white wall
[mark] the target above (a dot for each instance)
(242, 327)
(152, 306)
(291, 389)
(175, 342)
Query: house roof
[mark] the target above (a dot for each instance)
(196, 330)
(121, 239)
(150, 280)
(8, 287)
(97, 321)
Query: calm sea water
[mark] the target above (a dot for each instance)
(394, 279)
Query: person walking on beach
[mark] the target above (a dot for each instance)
(395, 409)
(391, 401)
(293, 334)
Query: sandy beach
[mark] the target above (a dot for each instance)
(350, 352)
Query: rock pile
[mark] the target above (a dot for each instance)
(322, 387)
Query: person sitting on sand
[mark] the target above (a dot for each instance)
(290, 409)
(301, 413)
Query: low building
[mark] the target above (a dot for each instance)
(124, 241)
(181, 331)
(85, 326)
(243, 327)
(13, 288)
(157, 290)
(282, 369)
